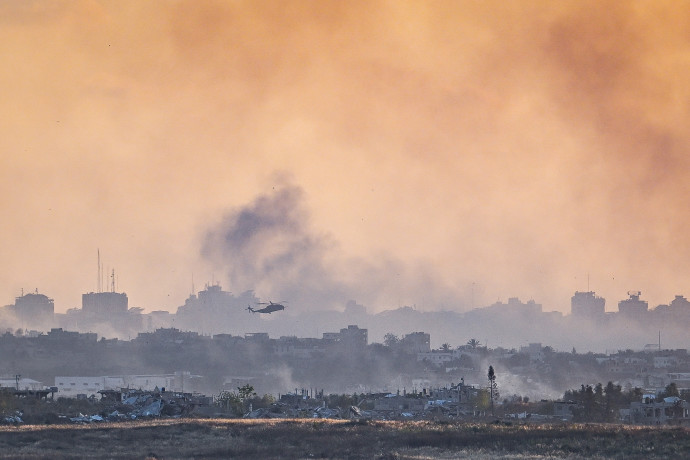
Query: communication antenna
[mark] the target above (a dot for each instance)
(98, 281)
(112, 281)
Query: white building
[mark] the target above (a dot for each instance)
(665, 362)
(436, 357)
(70, 387)
(22, 384)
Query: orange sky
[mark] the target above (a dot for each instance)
(430, 146)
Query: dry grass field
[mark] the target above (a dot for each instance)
(306, 439)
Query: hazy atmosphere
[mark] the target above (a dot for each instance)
(442, 155)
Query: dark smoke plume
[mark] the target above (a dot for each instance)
(269, 246)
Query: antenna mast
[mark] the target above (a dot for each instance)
(98, 282)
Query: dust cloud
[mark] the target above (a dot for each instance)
(525, 149)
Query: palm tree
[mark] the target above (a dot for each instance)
(493, 388)
(473, 343)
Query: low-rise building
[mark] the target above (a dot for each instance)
(72, 387)
(21, 383)
(435, 356)
(416, 342)
(665, 362)
(669, 411)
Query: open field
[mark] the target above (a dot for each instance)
(293, 439)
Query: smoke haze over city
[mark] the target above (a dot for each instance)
(442, 155)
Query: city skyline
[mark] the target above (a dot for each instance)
(215, 311)
(601, 305)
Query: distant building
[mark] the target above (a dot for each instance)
(71, 387)
(21, 383)
(534, 351)
(681, 379)
(57, 337)
(392, 402)
(678, 311)
(587, 305)
(515, 306)
(563, 410)
(633, 307)
(159, 319)
(681, 304)
(106, 312)
(167, 336)
(214, 311)
(665, 362)
(416, 342)
(436, 356)
(257, 337)
(34, 309)
(104, 304)
(296, 347)
(668, 411)
(352, 338)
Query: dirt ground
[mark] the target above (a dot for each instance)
(341, 439)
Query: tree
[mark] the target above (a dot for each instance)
(473, 343)
(246, 392)
(613, 401)
(236, 401)
(481, 400)
(445, 347)
(591, 402)
(230, 401)
(493, 388)
(670, 390)
(390, 340)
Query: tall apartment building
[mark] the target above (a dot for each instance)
(587, 305)
(34, 309)
(104, 304)
(633, 306)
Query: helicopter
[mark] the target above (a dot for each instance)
(269, 308)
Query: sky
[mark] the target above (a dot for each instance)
(441, 155)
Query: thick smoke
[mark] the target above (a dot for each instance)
(516, 145)
(271, 247)
(267, 246)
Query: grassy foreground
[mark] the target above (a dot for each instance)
(293, 439)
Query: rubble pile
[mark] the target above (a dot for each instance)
(115, 405)
(13, 419)
(282, 410)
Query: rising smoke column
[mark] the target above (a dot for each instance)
(269, 246)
